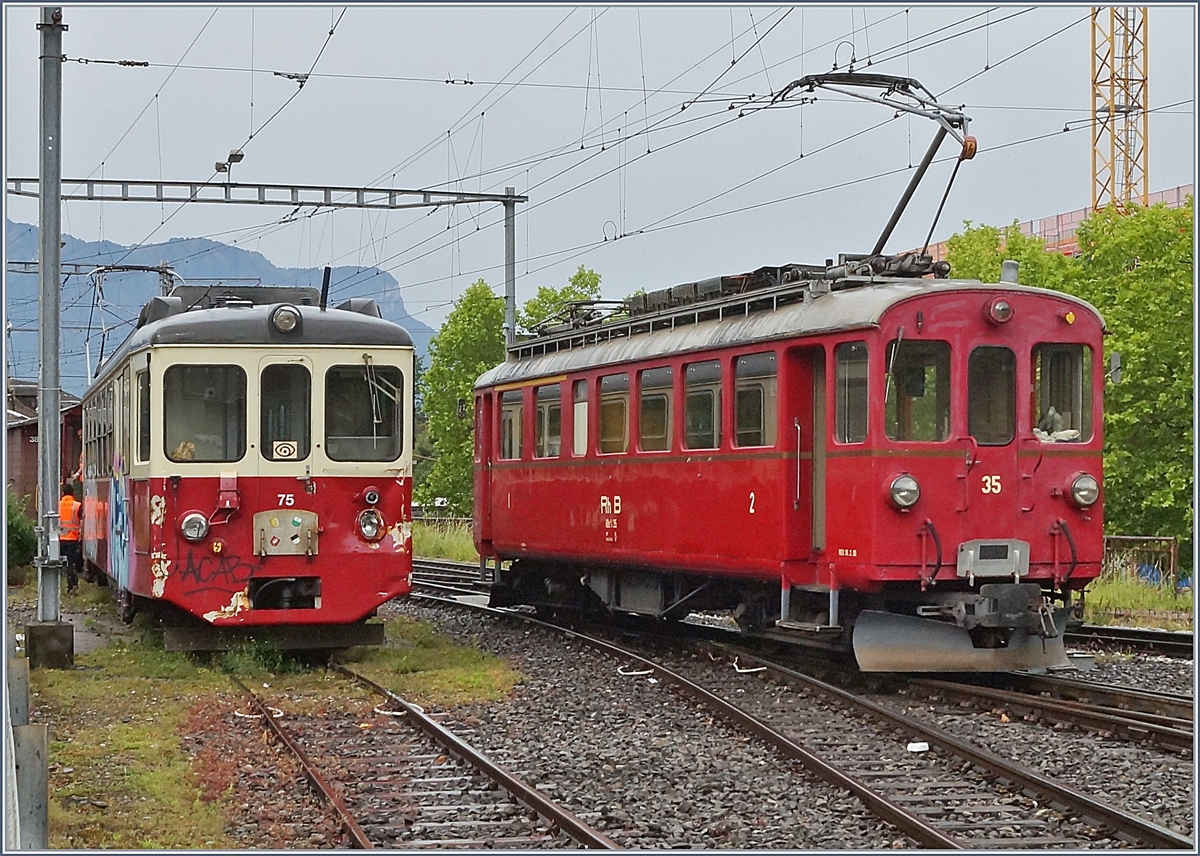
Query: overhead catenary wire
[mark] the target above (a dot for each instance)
(690, 207)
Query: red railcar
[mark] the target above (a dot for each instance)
(859, 454)
(248, 463)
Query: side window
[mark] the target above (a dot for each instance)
(614, 413)
(1062, 393)
(204, 409)
(549, 421)
(754, 402)
(286, 401)
(991, 395)
(510, 425)
(917, 390)
(364, 412)
(143, 404)
(580, 437)
(477, 431)
(654, 415)
(702, 408)
(850, 404)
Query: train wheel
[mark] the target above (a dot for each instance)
(127, 606)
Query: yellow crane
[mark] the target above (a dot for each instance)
(1120, 93)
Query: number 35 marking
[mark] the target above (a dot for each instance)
(991, 484)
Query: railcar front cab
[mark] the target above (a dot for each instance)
(283, 420)
(986, 438)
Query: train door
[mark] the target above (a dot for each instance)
(483, 470)
(991, 476)
(139, 467)
(804, 423)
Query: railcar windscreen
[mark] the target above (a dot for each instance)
(1062, 383)
(850, 424)
(204, 413)
(364, 412)
(991, 396)
(284, 418)
(548, 419)
(917, 390)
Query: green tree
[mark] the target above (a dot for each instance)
(22, 540)
(978, 252)
(423, 450)
(470, 342)
(1137, 269)
(584, 284)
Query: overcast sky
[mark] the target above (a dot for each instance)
(615, 120)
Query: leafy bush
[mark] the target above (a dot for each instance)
(22, 541)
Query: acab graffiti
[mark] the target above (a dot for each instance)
(214, 572)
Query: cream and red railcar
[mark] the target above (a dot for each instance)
(859, 455)
(247, 468)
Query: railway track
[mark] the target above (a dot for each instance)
(1168, 642)
(941, 791)
(1129, 714)
(444, 576)
(406, 781)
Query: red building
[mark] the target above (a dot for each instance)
(22, 446)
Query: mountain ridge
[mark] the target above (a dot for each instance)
(114, 307)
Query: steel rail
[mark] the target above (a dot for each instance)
(357, 836)
(530, 797)
(907, 822)
(1090, 716)
(1171, 705)
(1147, 832)
(1169, 642)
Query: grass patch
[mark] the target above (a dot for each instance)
(452, 541)
(119, 777)
(427, 668)
(257, 659)
(1138, 604)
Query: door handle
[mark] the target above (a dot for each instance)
(796, 503)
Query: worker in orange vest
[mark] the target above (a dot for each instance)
(68, 535)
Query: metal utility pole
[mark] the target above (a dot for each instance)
(510, 266)
(49, 294)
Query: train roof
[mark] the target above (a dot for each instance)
(166, 321)
(728, 322)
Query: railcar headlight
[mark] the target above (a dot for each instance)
(905, 491)
(1085, 490)
(285, 318)
(194, 526)
(370, 524)
(999, 310)
(371, 496)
